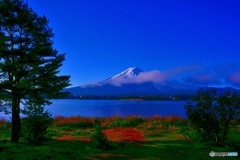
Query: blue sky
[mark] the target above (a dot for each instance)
(103, 37)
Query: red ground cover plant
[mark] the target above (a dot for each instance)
(114, 134)
(172, 129)
(118, 134)
(124, 134)
(3, 121)
(65, 138)
(132, 117)
(72, 138)
(167, 118)
(108, 120)
(60, 120)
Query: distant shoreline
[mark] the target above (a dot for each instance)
(136, 99)
(158, 98)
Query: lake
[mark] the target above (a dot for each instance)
(104, 108)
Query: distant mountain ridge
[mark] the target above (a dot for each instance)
(123, 84)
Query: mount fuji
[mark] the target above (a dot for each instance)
(118, 85)
(129, 82)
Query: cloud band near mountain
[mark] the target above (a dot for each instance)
(194, 75)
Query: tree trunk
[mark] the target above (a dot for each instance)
(16, 121)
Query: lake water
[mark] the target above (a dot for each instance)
(104, 108)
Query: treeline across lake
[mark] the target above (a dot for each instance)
(130, 97)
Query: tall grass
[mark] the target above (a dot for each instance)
(131, 121)
(73, 122)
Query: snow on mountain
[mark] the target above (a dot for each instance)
(128, 73)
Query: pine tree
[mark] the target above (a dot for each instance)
(29, 65)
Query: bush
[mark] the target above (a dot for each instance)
(99, 139)
(35, 125)
(211, 114)
(185, 130)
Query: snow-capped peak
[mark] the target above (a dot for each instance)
(128, 73)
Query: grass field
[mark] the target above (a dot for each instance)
(132, 138)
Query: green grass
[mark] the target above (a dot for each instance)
(126, 123)
(48, 150)
(163, 142)
(58, 150)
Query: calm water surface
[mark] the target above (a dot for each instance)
(104, 108)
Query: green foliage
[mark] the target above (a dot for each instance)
(80, 132)
(52, 133)
(186, 131)
(98, 137)
(5, 130)
(36, 123)
(211, 114)
(126, 122)
(65, 128)
(35, 127)
(74, 125)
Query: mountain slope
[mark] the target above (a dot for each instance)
(125, 83)
(111, 86)
(128, 73)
